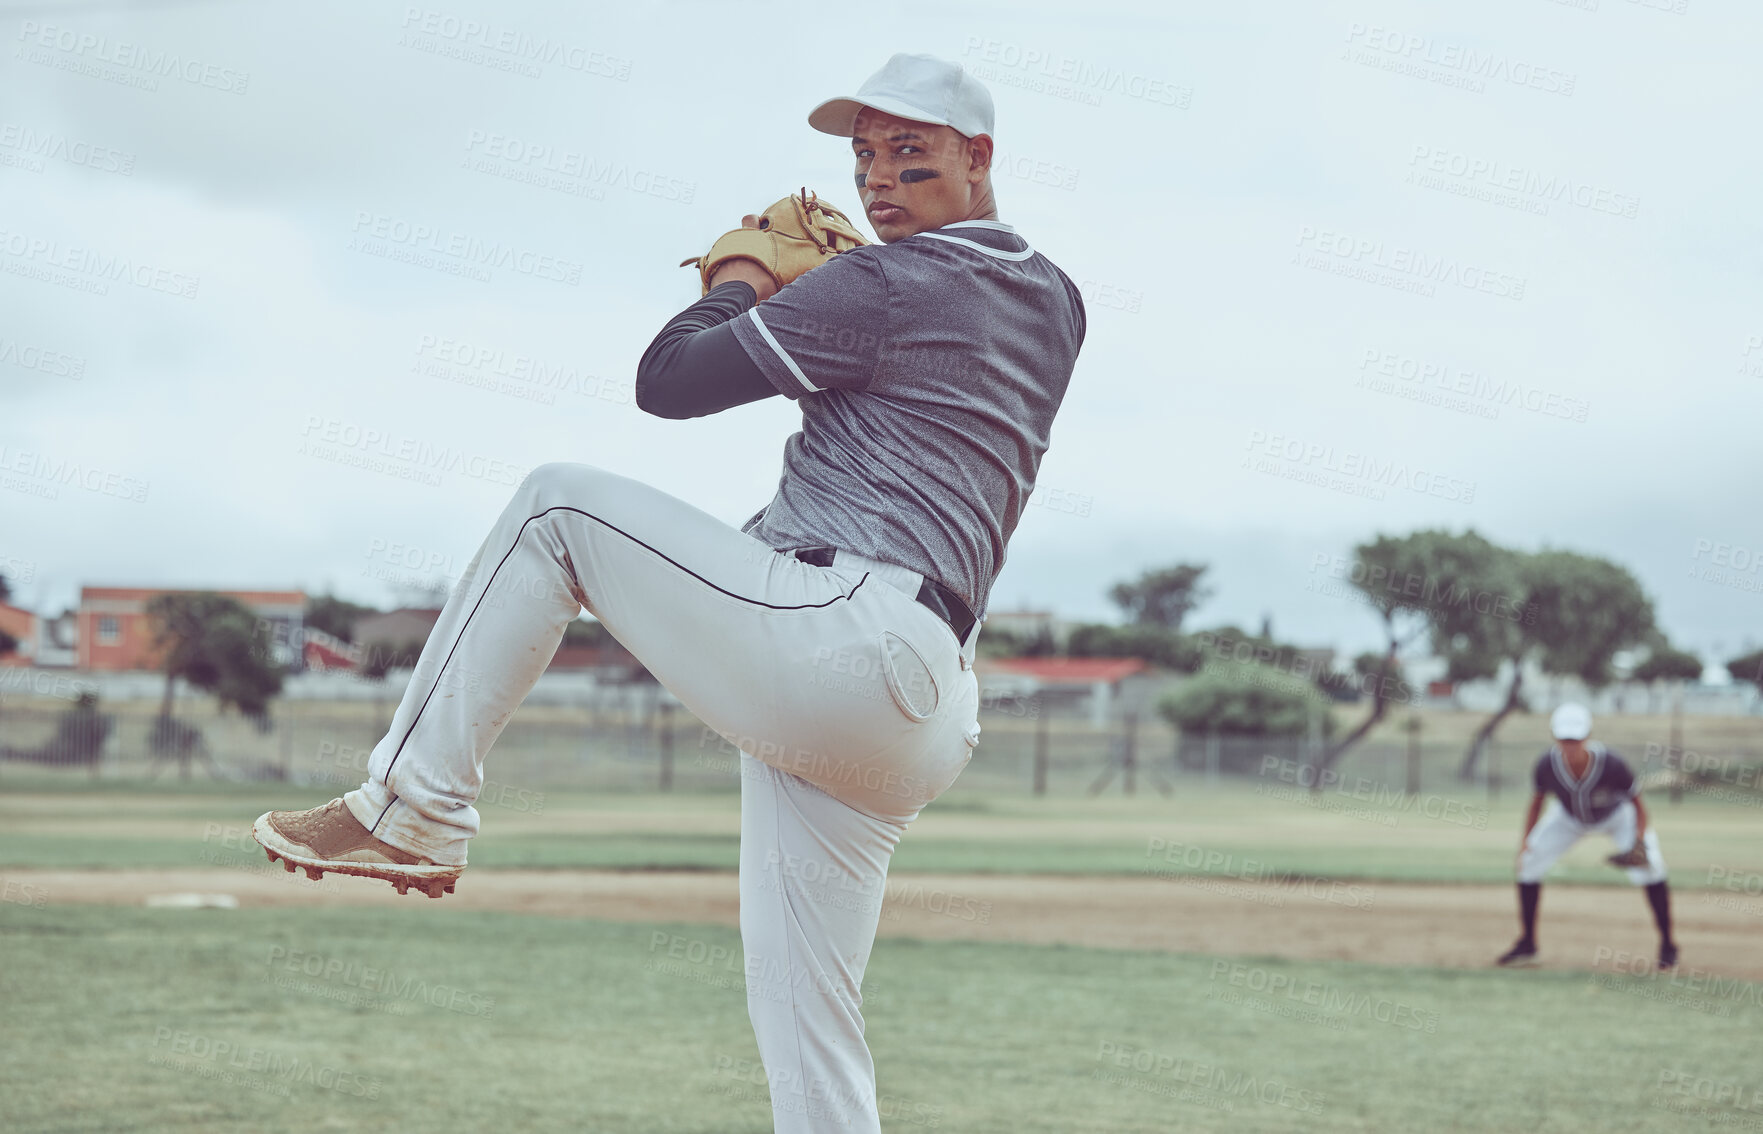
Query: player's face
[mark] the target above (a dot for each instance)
(913, 176)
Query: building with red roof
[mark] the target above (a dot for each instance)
(115, 633)
(1099, 678)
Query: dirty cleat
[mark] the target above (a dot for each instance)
(1520, 955)
(1667, 956)
(330, 838)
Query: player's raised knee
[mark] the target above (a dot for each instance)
(560, 482)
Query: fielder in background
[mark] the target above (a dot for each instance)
(1593, 792)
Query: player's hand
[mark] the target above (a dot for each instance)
(746, 270)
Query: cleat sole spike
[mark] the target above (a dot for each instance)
(288, 866)
(314, 873)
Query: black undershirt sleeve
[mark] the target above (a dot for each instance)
(696, 366)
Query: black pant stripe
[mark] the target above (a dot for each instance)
(387, 777)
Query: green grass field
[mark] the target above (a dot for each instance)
(50, 822)
(397, 1020)
(366, 1019)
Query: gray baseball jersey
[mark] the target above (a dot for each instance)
(929, 371)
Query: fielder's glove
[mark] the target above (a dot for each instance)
(1633, 856)
(794, 235)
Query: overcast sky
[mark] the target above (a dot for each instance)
(1351, 268)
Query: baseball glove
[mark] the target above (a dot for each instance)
(1633, 856)
(794, 235)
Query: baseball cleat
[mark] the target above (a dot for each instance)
(1667, 956)
(1521, 955)
(330, 838)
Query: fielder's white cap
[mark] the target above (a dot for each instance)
(1571, 722)
(920, 87)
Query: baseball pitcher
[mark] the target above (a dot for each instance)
(831, 637)
(1587, 789)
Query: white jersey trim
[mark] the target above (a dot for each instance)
(783, 354)
(1022, 255)
(1580, 787)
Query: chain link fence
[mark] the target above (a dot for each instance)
(638, 741)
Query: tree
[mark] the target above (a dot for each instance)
(1001, 643)
(1579, 611)
(1244, 699)
(1664, 663)
(1748, 668)
(1162, 598)
(993, 643)
(1040, 644)
(1430, 582)
(1229, 643)
(1368, 669)
(1667, 663)
(336, 617)
(1154, 644)
(5, 589)
(216, 644)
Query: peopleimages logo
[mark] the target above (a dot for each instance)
(395, 238)
(1327, 247)
(85, 49)
(50, 474)
(27, 356)
(1346, 469)
(54, 262)
(1452, 64)
(1068, 77)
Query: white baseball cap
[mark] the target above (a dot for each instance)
(1571, 722)
(922, 88)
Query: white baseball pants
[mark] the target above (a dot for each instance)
(1557, 830)
(852, 706)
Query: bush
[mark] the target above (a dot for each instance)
(1234, 699)
(1154, 644)
(1747, 667)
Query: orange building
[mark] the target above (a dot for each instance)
(22, 625)
(116, 634)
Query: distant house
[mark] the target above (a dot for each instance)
(114, 632)
(1097, 679)
(612, 664)
(21, 624)
(1025, 624)
(396, 627)
(1028, 625)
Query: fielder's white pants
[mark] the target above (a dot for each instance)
(1557, 830)
(852, 705)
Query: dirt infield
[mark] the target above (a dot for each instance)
(1377, 923)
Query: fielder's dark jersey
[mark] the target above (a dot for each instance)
(928, 371)
(1607, 784)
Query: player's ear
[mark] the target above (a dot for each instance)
(979, 158)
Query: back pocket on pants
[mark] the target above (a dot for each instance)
(910, 681)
